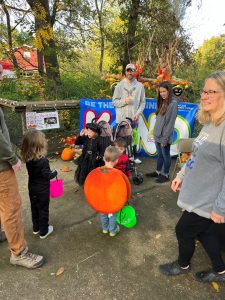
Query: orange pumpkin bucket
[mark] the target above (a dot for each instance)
(106, 190)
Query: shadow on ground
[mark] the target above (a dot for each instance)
(97, 266)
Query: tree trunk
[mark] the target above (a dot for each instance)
(9, 32)
(43, 22)
(131, 30)
(102, 41)
(40, 58)
(40, 55)
(102, 53)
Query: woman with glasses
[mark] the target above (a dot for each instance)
(202, 187)
(166, 114)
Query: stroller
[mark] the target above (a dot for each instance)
(125, 131)
(105, 137)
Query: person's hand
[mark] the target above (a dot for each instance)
(163, 145)
(127, 100)
(176, 184)
(217, 218)
(83, 132)
(135, 118)
(17, 166)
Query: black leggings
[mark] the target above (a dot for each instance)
(40, 211)
(191, 227)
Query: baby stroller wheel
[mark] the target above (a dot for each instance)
(137, 180)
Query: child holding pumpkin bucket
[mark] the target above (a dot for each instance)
(33, 151)
(91, 156)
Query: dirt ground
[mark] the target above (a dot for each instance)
(97, 266)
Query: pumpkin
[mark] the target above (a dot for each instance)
(67, 154)
(106, 190)
(127, 183)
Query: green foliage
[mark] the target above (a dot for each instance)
(74, 86)
(8, 89)
(23, 88)
(207, 59)
(211, 56)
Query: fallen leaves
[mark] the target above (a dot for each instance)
(60, 271)
(216, 286)
(157, 236)
(65, 169)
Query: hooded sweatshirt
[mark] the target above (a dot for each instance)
(7, 156)
(203, 176)
(124, 89)
(164, 125)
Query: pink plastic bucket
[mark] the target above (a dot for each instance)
(56, 188)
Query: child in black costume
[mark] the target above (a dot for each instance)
(33, 151)
(91, 156)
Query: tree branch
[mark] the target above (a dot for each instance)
(26, 60)
(54, 11)
(17, 9)
(19, 22)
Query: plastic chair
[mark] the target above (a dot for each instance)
(183, 146)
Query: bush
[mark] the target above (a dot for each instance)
(34, 88)
(75, 86)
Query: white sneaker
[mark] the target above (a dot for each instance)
(50, 230)
(137, 161)
(35, 232)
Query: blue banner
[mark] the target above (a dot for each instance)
(102, 109)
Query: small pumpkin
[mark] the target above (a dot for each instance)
(106, 190)
(67, 154)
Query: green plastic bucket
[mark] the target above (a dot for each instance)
(126, 216)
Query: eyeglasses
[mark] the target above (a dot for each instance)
(209, 93)
(130, 70)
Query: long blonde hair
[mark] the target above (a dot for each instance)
(34, 145)
(203, 116)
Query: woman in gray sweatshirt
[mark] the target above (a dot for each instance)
(202, 193)
(166, 114)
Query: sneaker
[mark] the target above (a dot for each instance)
(105, 231)
(35, 232)
(115, 233)
(209, 276)
(152, 174)
(173, 269)
(162, 178)
(50, 230)
(27, 260)
(2, 236)
(137, 161)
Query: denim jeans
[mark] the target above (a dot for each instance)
(109, 222)
(164, 159)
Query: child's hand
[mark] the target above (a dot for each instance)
(83, 132)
